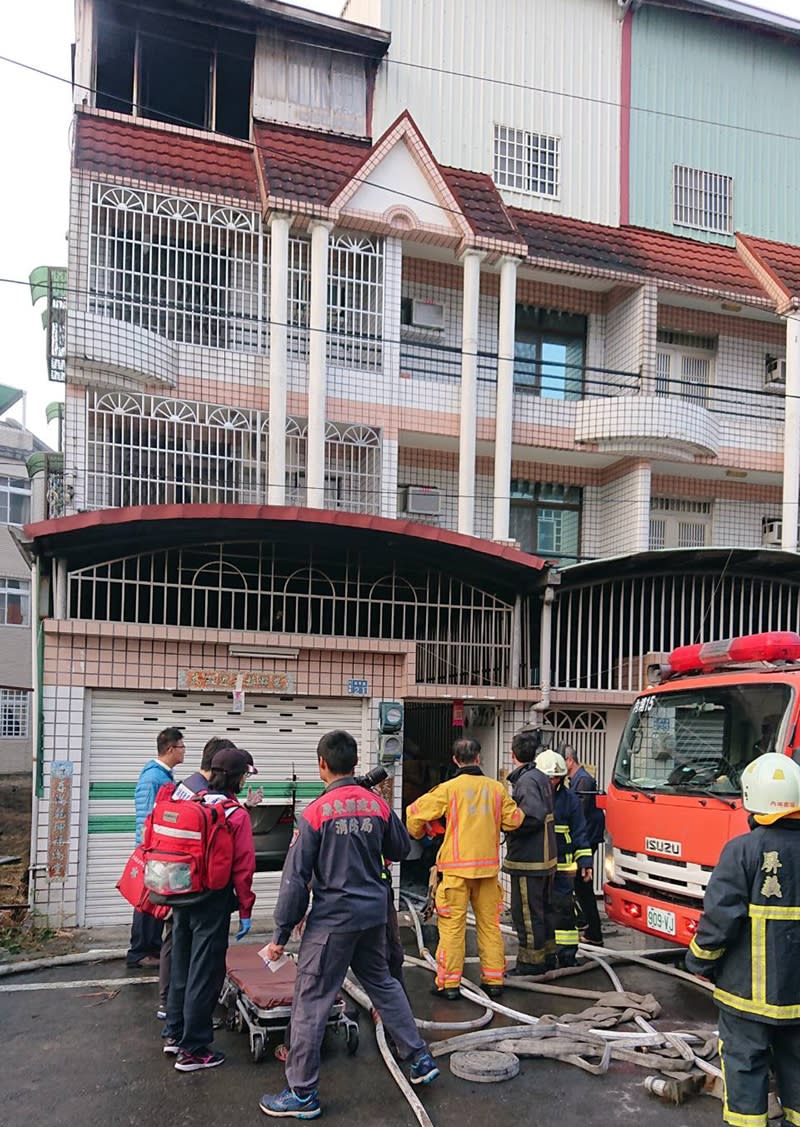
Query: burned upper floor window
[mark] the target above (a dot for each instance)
(173, 67)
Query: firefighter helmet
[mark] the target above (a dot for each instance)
(771, 785)
(551, 763)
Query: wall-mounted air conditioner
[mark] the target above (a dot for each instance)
(422, 500)
(771, 533)
(427, 314)
(774, 374)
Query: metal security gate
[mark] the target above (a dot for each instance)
(280, 733)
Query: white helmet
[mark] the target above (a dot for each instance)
(551, 763)
(771, 785)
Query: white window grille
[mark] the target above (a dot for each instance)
(679, 523)
(526, 162)
(352, 466)
(299, 294)
(15, 602)
(186, 269)
(15, 500)
(14, 713)
(463, 634)
(702, 200)
(355, 300)
(684, 366)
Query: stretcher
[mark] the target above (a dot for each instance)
(260, 1001)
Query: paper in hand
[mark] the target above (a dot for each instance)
(273, 964)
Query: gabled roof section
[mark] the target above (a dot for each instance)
(481, 204)
(117, 146)
(684, 264)
(777, 266)
(306, 166)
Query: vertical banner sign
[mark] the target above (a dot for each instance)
(458, 714)
(60, 803)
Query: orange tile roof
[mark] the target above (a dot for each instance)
(306, 165)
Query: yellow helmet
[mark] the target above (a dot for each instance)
(771, 785)
(551, 763)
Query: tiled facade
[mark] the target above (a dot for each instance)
(264, 451)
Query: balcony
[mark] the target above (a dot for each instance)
(621, 411)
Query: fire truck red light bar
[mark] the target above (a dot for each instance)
(777, 645)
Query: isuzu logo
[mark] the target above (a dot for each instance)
(659, 845)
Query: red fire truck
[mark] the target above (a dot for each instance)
(675, 796)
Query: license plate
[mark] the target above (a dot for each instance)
(659, 920)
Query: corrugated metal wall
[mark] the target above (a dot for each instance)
(555, 69)
(697, 72)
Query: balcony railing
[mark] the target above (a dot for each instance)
(573, 382)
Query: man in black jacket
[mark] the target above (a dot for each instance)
(748, 942)
(531, 858)
(585, 787)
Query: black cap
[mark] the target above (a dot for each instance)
(233, 761)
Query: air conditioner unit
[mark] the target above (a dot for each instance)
(427, 314)
(771, 533)
(774, 374)
(422, 500)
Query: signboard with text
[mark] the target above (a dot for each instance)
(222, 680)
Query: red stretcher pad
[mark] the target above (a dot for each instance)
(266, 989)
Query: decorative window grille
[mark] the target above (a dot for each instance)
(526, 162)
(15, 500)
(144, 450)
(677, 523)
(702, 200)
(684, 366)
(186, 269)
(352, 466)
(299, 294)
(14, 713)
(15, 602)
(463, 634)
(355, 301)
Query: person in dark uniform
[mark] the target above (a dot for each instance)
(338, 852)
(574, 856)
(531, 858)
(582, 784)
(748, 941)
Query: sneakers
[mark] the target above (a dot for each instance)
(170, 1046)
(424, 1070)
(147, 961)
(288, 1105)
(191, 1062)
(161, 1014)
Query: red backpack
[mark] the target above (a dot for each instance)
(187, 847)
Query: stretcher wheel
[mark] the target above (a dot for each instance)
(351, 1039)
(257, 1047)
(230, 1019)
(238, 1021)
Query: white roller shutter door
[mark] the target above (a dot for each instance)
(281, 734)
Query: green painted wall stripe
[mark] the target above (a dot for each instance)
(111, 824)
(114, 791)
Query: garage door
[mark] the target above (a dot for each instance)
(281, 733)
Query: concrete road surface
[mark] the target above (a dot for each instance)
(90, 1058)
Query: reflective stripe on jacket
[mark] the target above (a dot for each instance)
(748, 938)
(531, 850)
(477, 809)
(571, 840)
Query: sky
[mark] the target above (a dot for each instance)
(35, 117)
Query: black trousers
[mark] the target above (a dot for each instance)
(566, 921)
(165, 963)
(533, 919)
(584, 894)
(145, 938)
(394, 948)
(748, 1049)
(321, 968)
(199, 943)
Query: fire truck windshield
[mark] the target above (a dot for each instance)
(701, 739)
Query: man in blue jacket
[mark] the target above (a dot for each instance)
(584, 786)
(145, 945)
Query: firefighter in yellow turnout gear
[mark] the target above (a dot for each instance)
(476, 809)
(748, 941)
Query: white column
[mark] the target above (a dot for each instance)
(791, 436)
(278, 313)
(317, 349)
(469, 392)
(505, 398)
